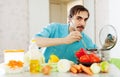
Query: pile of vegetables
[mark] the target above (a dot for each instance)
(51, 66)
(80, 68)
(15, 64)
(95, 68)
(63, 65)
(84, 57)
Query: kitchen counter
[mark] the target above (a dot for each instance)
(113, 72)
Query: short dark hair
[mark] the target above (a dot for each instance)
(76, 9)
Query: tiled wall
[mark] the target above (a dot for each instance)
(14, 29)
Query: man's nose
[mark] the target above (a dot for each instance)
(82, 22)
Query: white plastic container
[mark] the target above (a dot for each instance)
(13, 60)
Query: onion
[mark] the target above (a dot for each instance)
(95, 68)
(63, 65)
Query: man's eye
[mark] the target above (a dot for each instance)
(86, 19)
(79, 18)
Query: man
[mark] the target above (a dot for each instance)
(64, 40)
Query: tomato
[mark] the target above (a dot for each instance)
(94, 58)
(84, 58)
(80, 53)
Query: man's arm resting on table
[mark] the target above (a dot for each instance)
(46, 42)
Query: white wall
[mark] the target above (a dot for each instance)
(38, 15)
(107, 12)
(90, 26)
(101, 16)
(114, 19)
(14, 30)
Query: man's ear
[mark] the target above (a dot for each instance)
(69, 20)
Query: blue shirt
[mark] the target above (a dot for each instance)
(63, 51)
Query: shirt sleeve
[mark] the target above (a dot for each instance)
(46, 31)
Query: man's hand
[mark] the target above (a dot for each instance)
(73, 36)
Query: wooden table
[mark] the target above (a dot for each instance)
(113, 72)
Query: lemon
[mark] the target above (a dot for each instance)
(53, 59)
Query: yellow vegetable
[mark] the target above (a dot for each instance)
(53, 59)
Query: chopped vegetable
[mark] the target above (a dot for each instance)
(15, 64)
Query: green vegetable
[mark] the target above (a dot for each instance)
(54, 67)
(104, 66)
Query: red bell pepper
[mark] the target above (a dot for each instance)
(84, 58)
(94, 58)
(80, 53)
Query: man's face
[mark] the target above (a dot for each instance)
(79, 21)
